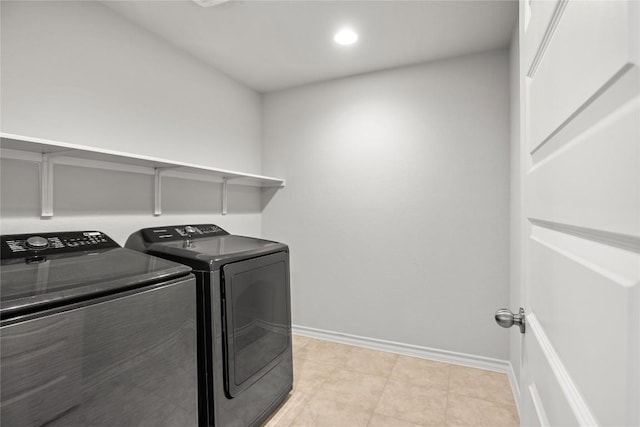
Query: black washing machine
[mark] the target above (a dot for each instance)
(244, 318)
(93, 334)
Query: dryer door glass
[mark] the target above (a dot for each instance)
(257, 324)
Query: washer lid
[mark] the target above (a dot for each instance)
(210, 253)
(28, 285)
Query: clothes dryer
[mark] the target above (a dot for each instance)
(244, 318)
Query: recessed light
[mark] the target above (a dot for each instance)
(345, 37)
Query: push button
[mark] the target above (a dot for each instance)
(37, 242)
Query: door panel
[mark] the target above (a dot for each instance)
(593, 182)
(580, 133)
(601, 108)
(589, 47)
(546, 402)
(569, 289)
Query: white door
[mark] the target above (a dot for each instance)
(580, 119)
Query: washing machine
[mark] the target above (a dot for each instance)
(244, 318)
(92, 334)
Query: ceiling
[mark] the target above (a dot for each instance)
(271, 45)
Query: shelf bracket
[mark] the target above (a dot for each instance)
(46, 186)
(157, 193)
(46, 183)
(224, 195)
(157, 190)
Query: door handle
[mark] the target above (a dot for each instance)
(505, 318)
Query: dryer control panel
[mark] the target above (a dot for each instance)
(42, 244)
(181, 232)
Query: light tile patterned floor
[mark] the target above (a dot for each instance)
(338, 385)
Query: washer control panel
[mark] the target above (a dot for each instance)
(181, 232)
(28, 245)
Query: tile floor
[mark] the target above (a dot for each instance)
(338, 385)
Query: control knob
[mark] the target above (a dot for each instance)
(189, 230)
(37, 242)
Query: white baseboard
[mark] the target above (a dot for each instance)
(445, 356)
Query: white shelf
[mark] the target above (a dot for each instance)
(48, 153)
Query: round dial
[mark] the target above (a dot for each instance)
(37, 242)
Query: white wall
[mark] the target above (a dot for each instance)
(79, 73)
(397, 202)
(516, 202)
(396, 207)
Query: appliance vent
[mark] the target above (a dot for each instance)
(209, 3)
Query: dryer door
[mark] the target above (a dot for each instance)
(256, 318)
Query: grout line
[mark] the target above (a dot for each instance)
(304, 406)
(334, 368)
(313, 393)
(383, 389)
(309, 397)
(446, 403)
